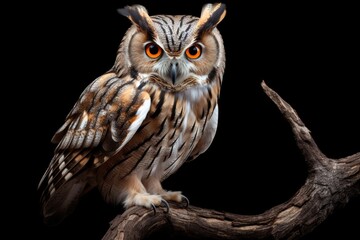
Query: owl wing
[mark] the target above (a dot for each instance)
(106, 116)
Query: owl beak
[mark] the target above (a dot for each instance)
(174, 71)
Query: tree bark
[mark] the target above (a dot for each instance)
(329, 185)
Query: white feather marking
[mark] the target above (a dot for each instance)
(68, 176)
(84, 120)
(65, 171)
(61, 159)
(52, 187)
(140, 114)
(213, 123)
(50, 179)
(52, 191)
(62, 165)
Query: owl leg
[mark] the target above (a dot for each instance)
(153, 186)
(136, 194)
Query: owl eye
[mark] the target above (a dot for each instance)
(152, 50)
(194, 51)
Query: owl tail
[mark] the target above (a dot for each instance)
(63, 202)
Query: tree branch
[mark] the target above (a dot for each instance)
(329, 185)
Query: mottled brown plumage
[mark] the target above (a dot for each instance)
(134, 126)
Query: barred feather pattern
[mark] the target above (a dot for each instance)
(135, 125)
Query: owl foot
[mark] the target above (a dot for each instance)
(176, 197)
(148, 201)
(144, 200)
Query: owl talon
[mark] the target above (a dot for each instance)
(163, 202)
(167, 207)
(185, 200)
(153, 208)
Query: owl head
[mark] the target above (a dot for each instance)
(176, 52)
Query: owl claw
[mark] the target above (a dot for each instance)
(185, 200)
(164, 202)
(153, 208)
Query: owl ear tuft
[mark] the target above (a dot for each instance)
(140, 17)
(211, 16)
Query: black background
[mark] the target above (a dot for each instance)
(308, 53)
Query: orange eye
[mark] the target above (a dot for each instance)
(194, 51)
(152, 50)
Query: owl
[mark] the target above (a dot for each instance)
(139, 122)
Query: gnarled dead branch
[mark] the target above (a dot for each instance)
(329, 185)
